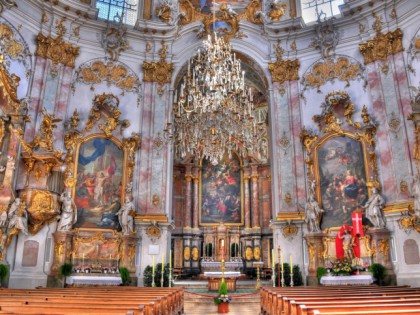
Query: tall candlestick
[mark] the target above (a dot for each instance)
(163, 258)
(170, 258)
(282, 263)
(272, 257)
(153, 264)
(291, 264)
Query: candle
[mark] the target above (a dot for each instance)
(170, 259)
(163, 258)
(291, 264)
(282, 263)
(153, 264)
(272, 256)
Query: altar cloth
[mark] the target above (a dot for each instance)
(347, 280)
(94, 280)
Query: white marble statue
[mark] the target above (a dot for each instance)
(18, 217)
(125, 216)
(374, 207)
(416, 195)
(313, 213)
(68, 215)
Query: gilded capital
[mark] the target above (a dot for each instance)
(57, 50)
(382, 46)
(160, 72)
(284, 70)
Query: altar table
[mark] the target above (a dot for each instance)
(347, 280)
(93, 280)
(214, 279)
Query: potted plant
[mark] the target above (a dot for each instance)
(4, 269)
(320, 272)
(65, 270)
(222, 300)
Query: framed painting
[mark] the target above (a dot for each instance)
(221, 194)
(99, 182)
(341, 170)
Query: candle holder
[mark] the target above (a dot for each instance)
(153, 280)
(282, 277)
(273, 276)
(258, 264)
(170, 277)
(161, 279)
(291, 279)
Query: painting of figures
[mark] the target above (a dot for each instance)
(221, 194)
(208, 6)
(342, 178)
(99, 184)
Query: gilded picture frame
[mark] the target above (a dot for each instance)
(342, 173)
(100, 165)
(221, 192)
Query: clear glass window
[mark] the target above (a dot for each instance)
(325, 8)
(110, 9)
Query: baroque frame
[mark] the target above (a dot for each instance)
(336, 120)
(241, 192)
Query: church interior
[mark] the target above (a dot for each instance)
(209, 137)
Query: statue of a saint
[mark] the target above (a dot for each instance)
(68, 215)
(348, 243)
(18, 217)
(416, 195)
(374, 207)
(312, 210)
(125, 216)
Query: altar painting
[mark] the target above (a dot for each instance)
(342, 179)
(99, 183)
(208, 6)
(221, 194)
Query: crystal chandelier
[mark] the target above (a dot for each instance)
(214, 113)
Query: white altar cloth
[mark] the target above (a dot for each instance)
(217, 265)
(94, 280)
(219, 274)
(347, 280)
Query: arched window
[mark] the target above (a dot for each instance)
(311, 9)
(112, 9)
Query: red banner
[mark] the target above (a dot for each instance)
(356, 218)
(339, 251)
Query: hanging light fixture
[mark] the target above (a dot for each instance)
(214, 113)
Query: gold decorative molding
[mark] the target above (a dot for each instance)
(289, 216)
(9, 84)
(382, 46)
(111, 72)
(41, 210)
(56, 49)
(12, 47)
(398, 207)
(131, 145)
(106, 105)
(283, 70)
(158, 71)
(328, 70)
(152, 217)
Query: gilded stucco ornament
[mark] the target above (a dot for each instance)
(290, 230)
(114, 39)
(9, 84)
(167, 12)
(382, 46)
(331, 69)
(283, 70)
(56, 49)
(158, 71)
(41, 210)
(273, 12)
(108, 105)
(97, 71)
(409, 221)
(131, 145)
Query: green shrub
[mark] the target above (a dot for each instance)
(125, 276)
(4, 270)
(66, 269)
(297, 275)
(378, 272)
(320, 272)
(147, 275)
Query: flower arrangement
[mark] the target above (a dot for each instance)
(341, 266)
(223, 296)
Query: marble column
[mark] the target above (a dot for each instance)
(62, 249)
(314, 244)
(196, 197)
(255, 199)
(247, 203)
(187, 211)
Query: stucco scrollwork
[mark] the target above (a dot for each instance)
(331, 69)
(41, 210)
